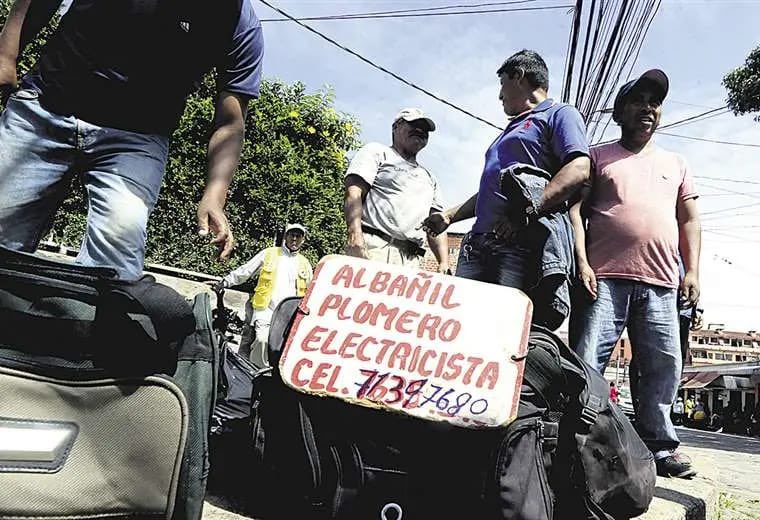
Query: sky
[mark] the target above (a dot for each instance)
(456, 57)
(696, 42)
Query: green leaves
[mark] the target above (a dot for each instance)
(743, 86)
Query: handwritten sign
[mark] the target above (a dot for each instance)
(420, 343)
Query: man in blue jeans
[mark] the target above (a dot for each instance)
(542, 134)
(107, 92)
(639, 214)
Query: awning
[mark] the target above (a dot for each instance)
(698, 380)
(733, 383)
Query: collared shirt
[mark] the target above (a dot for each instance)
(401, 193)
(545, 137)
(632, 226)
(285, 279)
(130, 64)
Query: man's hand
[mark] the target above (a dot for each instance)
(690, 288)
(588, 278)
(444, 269)
(218, 286)
(211, 219)
(355, 246)
(436, 223)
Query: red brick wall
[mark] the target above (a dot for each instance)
(429, 262)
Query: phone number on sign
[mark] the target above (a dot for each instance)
(392, 389)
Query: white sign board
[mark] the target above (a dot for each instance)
(415, 342)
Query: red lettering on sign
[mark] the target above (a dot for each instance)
(449, 330)
(489, 375)
(382, 310)
(420, 286)
(415, 359)
(383, 350)
(454, 367)
(446, 301)
(363, 312)
(325, 346)
(311, 337)
(406, 318)
(348, 343)
(333, 379)
(342, 311)
(344, 274)
(358, 279)
(430, 325)
(331, 302)
(474, 362)
(379, 282)
(398, 286)
(360, 355)
(441, 364)
(297, 370)
(400, 354)
(424, 372)
(319, 374)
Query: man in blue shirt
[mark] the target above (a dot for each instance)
(103, 99)
(541, 133)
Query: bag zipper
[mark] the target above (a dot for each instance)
(542, 477)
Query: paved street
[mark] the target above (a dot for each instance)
(737, 461)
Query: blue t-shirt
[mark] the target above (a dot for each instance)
(130, 64)
(546, 137)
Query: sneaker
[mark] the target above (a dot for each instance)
(675, 465)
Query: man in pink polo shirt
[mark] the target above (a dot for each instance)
(639, 214)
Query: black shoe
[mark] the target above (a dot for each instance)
(675, 465)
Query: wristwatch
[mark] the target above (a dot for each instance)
(531, 214)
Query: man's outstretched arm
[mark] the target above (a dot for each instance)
(25, 19)
(224, 148)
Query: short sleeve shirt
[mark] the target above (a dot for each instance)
(130, 64)
(547, 137)
(401, 193)
(632, 226)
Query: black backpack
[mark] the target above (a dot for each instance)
(569, 454)
(586, 460)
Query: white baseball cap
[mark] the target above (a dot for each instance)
(415, 114)
(294, 226)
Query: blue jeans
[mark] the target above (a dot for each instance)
(651, 316)
(485, 258)
(40, 152)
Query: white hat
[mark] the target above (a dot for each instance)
(291, 227)
(414, 114)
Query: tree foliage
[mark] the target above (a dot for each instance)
(743, 86)
(291, 170)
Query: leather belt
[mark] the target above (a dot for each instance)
(409, 247)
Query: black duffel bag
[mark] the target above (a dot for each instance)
(570, 454)
(107, 391)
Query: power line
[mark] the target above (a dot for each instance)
(705, 140)
(413, 15)
(692, 118)
(380, 67)
(726, 179)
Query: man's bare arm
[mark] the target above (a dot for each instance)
(438, 222)
(356, 191)
(565, 183)
(439, 244)
(690, 244)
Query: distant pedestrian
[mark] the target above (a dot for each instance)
(388, 194)
(636, 218)
(282, 272)
(678, 411)
(614, 394)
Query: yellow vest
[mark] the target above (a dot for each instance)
(268, 274)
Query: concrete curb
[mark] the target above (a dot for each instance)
(692, 499)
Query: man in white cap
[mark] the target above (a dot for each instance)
(282, 272)
(388, 194)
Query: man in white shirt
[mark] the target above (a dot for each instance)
(388, 195)
(282, 272)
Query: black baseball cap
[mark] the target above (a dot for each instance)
(655, 76)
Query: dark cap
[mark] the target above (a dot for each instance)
(655, 76)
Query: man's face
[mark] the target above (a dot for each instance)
(641, 111)
(411, 135)
(511, 95)
(294, 240)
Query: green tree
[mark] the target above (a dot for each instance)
(291, 170)
(743, 86)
